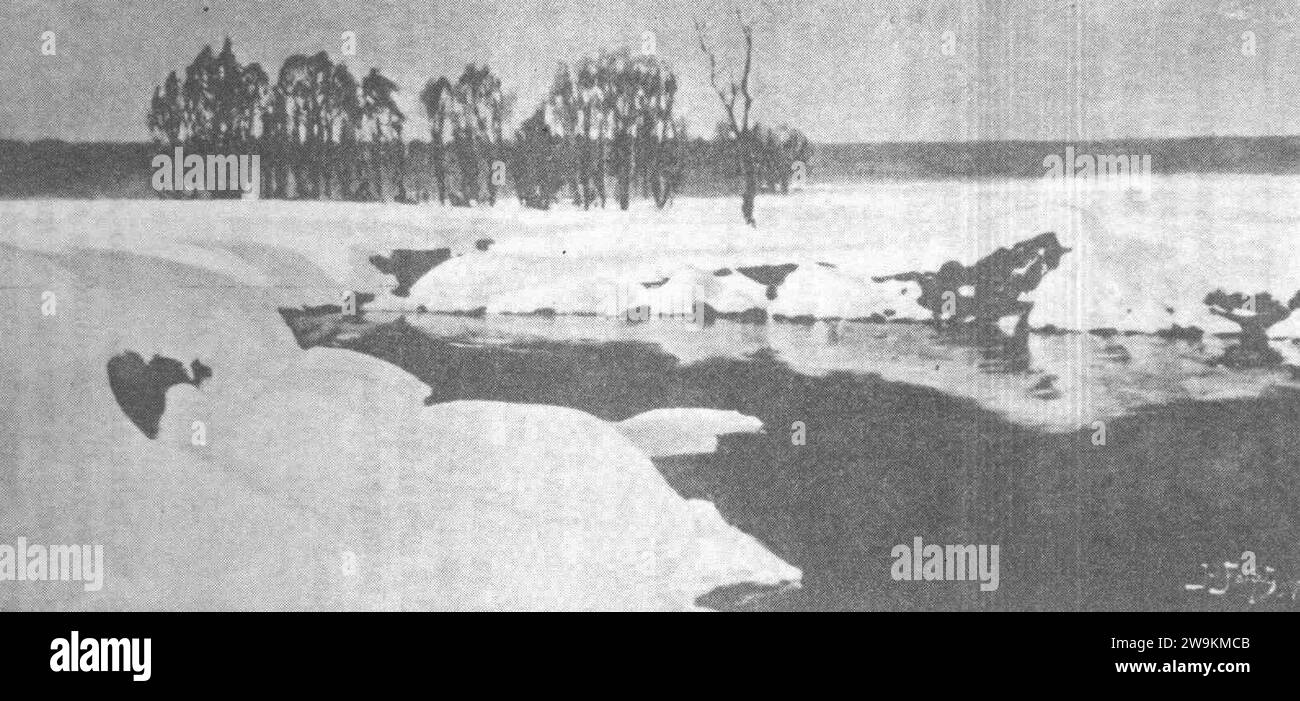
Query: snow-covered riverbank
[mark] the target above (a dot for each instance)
(318, 478)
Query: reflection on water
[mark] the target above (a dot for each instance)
(1056, 381)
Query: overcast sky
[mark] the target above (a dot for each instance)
(843, 70)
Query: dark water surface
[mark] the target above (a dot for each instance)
(1119, 526)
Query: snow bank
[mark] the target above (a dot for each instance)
(307, 480)
(680, 431)
(822, 292)
(176, 532)
(689, 286)
(500, 284)
(317, 248)
(546, 507)
(479, 505)
(1135, 264)
(322, 481)
(510, 284)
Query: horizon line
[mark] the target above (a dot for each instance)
(1109, 139)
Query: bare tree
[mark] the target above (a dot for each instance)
(537, 179)
(606, 94)
(741, 130)
(562, 105)
(589, 104)
(498, 106)
(215, 109)
(468, 129)
(380, 109)
(436, 96)
(344, 116)
(665, 138)
(292, 92)
(627, 80)
(167, 112)
(319, 129)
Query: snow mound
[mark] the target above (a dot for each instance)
(477, 279)
(541, 507)
(729, 555)
(689, 286)
(176, 532)
(821, 292)
(479, 505)
(309, 480)
(680, 431)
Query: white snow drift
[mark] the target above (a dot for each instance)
(1140, 264)
(303, 479)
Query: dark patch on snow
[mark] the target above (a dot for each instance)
(408, 266)
(1045, 388)
(770, 275)
(996, 283)
(1254, 314)
(1116, 353)
(483, 244)
(141, 389)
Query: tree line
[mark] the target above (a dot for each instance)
(324, 133)
(606, 131)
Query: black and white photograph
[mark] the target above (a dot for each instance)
(649, 305)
